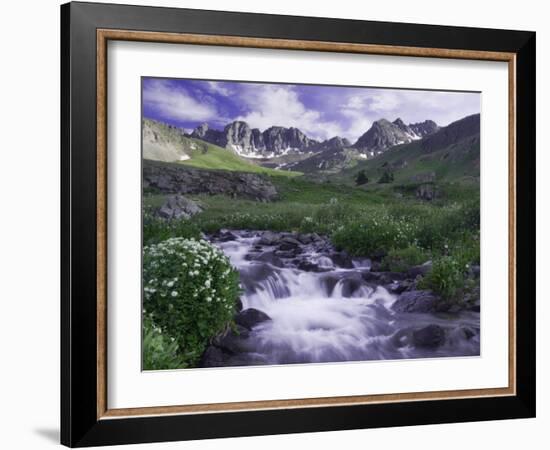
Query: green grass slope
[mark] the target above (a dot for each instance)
(449, 160)
(165, 143)
(209, 156)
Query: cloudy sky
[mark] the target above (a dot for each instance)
(319, 111)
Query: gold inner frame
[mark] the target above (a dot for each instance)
(104, 35)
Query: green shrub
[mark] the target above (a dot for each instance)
(190, 292)
(373, 233)
(466, 249)
(441, 226)
(156, 229)
(333, 212)
(387, 177)
(361, 178)
(400, 260)
(446, 277)
(159, 351)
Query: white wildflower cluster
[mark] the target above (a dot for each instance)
(186, 268)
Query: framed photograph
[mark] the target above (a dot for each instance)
(277, 224)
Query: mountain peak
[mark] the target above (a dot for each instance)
(237, 123)
(384, 134)
(201, 131)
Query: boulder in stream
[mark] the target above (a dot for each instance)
(431, 336)
(250, 317)
(416, 302)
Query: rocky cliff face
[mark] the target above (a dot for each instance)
(208, 134)
(424, 128)
(280, 140)
(252, 143)
(177, 179)
(239, 136)
(406, 129)
(382, 135)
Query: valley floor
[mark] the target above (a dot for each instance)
(422, 256)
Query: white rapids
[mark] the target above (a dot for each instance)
(328, 315)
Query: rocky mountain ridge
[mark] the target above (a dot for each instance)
(252, 143)
(278, 141)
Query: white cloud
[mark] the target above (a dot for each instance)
(216, 87)
(363, 106)
(275, 105)
(176, 104)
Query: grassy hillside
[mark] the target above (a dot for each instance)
(209, 156)
(450, 155)
(162, 142)
(329, 161)
(165, 143)
(455, 162)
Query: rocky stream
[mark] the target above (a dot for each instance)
(305, 302)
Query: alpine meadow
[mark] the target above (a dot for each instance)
(294, 223)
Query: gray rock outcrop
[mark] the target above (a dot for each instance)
(173, 179)
(178, 207)
(416, 302)
(246, 141)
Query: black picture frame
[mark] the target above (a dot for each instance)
(80, 425)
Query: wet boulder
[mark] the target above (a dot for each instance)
(431, 336)
(251, 276)
(350, 286)
(398, 287)
(305, 238)
(386, 278)
(288, 254)
(372, 277)
(341, 259)
(401, 338)
(224, 235)
(309, 266)
(267, 257)
(345, 284)
(251, 317)
(269, 238)
(416, 302)
(289, 242)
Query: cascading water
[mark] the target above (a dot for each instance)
(328, 314)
